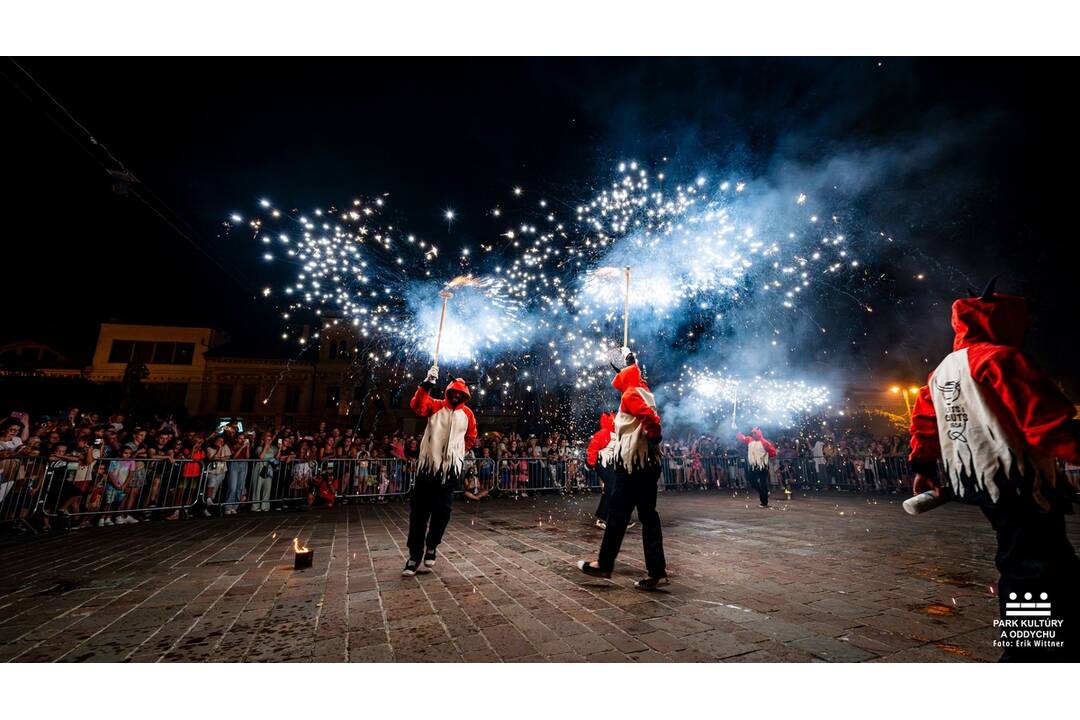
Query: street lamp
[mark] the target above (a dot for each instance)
(912, 391)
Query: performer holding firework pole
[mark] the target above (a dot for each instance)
(600, 455)
(638, 435)
(997, 423)
(758, 452)
(450, 433)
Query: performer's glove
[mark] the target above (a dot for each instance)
(628, 356)
(431, 379)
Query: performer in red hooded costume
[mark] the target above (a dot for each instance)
(758, 452)
(637, 468)
(600, 456)
(997, 423)
(450, 433)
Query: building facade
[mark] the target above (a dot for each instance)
(211, 377)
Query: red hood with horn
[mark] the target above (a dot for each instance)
(1002, 320)
(459, 385)
(629, 377)
(1024, 400)
(600, 438)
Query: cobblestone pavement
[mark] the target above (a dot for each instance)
(816, 578)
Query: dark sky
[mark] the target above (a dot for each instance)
(968, 162)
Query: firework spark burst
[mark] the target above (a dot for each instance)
(718, 264)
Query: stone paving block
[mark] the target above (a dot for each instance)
(832, 649)
(507, 641)
(803, 584)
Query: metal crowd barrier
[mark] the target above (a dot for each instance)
(523, 475)
(854, 474)
(259, 485)
(370, 478)
(37, 490)
(22, 480)
(119, 490)
(687, 472)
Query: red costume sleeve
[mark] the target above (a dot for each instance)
(599, 441)
(423, 405)
(769, 447)
(925, 446)
(634, 404)
(742, 438)
(470, 433)
(1043, 414)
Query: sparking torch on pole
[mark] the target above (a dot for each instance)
(626, 312)
(445, 295)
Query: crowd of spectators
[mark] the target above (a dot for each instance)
(117, 471)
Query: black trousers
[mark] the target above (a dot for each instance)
(607, 475)
(635, 490)
(429, 513)
(759, 479)
(1034, 556)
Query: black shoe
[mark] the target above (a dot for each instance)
(410, 568)
(429, 558)
(651, 583)
(589, 570)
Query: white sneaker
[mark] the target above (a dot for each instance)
(524, 494)
(107, 521)
(101, 522)
(120, 520)
(131, 520)
(601, 524)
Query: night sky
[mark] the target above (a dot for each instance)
(966, 162)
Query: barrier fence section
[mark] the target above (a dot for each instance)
(522, 475)
(123, 490)
(370, 478)
(120, 490)
(22, 480)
